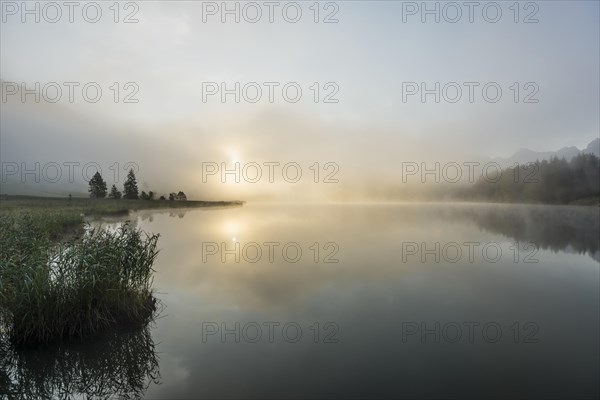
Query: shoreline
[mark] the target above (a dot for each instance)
(64, 217)
(105, 276)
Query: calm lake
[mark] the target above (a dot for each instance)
(387, 300)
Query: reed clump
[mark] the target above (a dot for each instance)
(53, 289)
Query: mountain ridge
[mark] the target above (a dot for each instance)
(524, 155)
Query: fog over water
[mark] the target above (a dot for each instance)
(369, 54)
(364, 258)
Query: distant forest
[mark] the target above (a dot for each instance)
(556, 181)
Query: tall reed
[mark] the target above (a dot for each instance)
(51, 289)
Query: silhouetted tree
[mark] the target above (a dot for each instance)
(97, 186)
(162, 198)
(143, 196)
(171, 196)
(150, 195)
(130, 189)
(114, 193)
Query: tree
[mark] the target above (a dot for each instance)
(171, 196)
(143, 196)
(151, 195)
(554, 181)
(130, 188)
(181, 196)
(162, 198)
(97, 186)
(114, 193)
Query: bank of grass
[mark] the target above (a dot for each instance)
(56, 284)
(96, 207)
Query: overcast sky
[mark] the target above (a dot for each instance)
(369, 57)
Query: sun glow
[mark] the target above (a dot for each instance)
(233, 155)
(233, 230)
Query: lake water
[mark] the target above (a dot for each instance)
(388, 300)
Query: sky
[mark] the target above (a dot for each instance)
(361, 65)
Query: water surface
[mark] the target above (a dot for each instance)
(397, 300)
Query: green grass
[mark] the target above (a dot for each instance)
(73, 288)
(96, 207)
(59, 280)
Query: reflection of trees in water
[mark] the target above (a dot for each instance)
(556, 228)
(179, 214)
(149, 216)
(120, 363)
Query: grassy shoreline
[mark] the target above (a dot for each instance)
(58, 280)
(100, 207)
(64, 216)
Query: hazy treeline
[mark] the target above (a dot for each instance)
(554, 181)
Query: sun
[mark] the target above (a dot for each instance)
(233, 154)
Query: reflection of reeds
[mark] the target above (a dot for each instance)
(50, 290)
(120, 363)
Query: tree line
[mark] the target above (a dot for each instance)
(554, 181)
(98, 190)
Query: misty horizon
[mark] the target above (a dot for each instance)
(299, 199)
